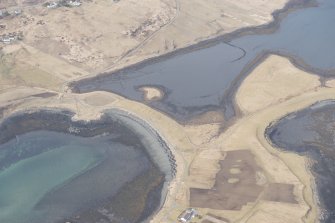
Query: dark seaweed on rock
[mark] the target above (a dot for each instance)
(311, 132)
(60, 121)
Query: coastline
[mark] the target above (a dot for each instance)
(169, 151)
(173, 133)
(317, 154)
(283, 97)
(269, 27)
(66, 124)
(308, 165)
(139, 127)
(229, 109)
(137, 118)
(229, 98)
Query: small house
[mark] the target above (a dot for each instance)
(74, 3)
(51, 5)
(18, 11)
(187, 215)
(3, 13)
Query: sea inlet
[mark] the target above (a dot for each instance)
(205, 77)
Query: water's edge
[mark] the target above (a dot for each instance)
(226, 104)
(270, 27)
(60, 120)
(321, 166)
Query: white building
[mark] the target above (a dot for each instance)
(74, 3)
(17, 11)
(52, 5)
(187, 215)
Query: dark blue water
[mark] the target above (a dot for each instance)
(206, 79)
(312, 131)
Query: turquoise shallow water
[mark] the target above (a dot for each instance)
(24, 183)
(46, 177)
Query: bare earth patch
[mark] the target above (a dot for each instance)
(151, 93)
(280, 193)
(236, 187)
(225, 195)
